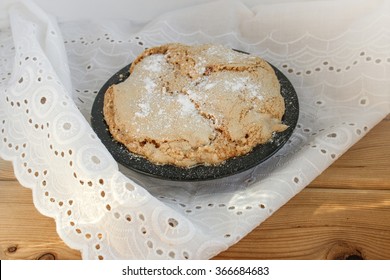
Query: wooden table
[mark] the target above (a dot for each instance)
(343, 214)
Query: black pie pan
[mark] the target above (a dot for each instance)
(200, 172)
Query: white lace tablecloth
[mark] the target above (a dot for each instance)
(336, 54)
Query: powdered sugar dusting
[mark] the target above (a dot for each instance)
(154, 63)
(210, 86)
(150, 85)
(187, 107)
(145, 110)
(227, 55)
(244, 84)
(200, 65)
(236, 84)
(143, 105)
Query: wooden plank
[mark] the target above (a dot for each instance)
(322, 224)
(6, 171)
(24, 232)
(366, 165)
(316, 224)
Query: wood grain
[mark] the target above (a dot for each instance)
(24, 232)
(364, 166)
(343, 214)
(322, 224)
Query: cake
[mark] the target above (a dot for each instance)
(189, 105)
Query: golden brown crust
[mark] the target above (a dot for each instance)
(186, 105)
